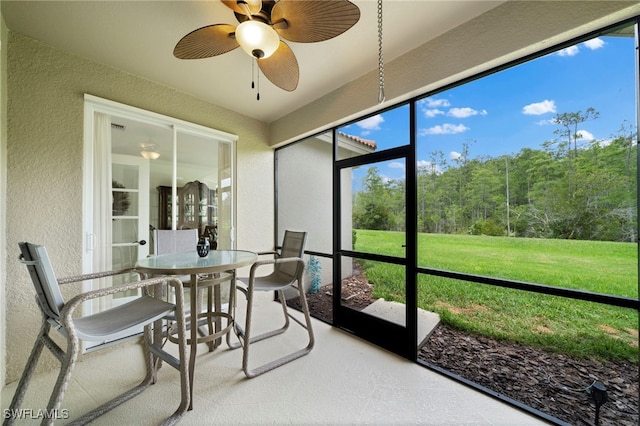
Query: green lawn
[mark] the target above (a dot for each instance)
(570, 326)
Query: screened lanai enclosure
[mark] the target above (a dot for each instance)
(507, 205)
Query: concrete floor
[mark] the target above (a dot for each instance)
(344, 380)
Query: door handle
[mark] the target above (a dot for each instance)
(141, 242)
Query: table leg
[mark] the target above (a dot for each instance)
(210, 328)
(218, 308)
(193, 350)
(232, 303)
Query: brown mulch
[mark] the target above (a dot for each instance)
(552, 383)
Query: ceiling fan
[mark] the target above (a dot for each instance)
(262, 26)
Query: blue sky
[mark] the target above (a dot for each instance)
(502, 113)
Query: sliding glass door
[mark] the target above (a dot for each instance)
(145, 172)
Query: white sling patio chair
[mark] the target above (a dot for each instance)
(167, 241)
(105, 326)
(288, 270)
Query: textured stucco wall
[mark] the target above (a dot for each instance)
(44, 153)
(311, 192)
(508, 32)
(3, 191)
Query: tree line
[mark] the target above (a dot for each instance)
(569, 189)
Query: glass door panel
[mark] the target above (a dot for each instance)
(375, 209)
(130, 217)
(373, 222)
(204, 182)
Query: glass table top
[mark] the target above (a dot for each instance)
(191, 263)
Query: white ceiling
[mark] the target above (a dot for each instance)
(138, 37)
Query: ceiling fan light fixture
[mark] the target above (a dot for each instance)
(149, 151)
(258, 39)
(150, 155)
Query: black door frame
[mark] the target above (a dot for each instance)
(393, 337)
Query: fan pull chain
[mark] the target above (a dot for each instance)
(255, 76)
(381, 96)
(258, 84)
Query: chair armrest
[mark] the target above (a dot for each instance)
(93, 276)
(264, 253)
(72, 304)
(260, 263)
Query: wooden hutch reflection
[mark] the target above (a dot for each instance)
(197, 208)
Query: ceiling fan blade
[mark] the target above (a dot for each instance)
(238, 6)
(281, 68)
(313, 20)
(206, 42)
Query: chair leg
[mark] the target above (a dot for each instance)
(287, 358)
(246, 336)
(124, 397)
(57, 395)
(307, 317)
(23, 384)
(184, 374)
(241, 333)
(237, 330)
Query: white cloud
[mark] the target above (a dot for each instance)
(583, 135)
(569, 51)
(546, 122)
(539, 108)
(594, 43)
(454, 155)
(396, 165)
(429, 166)
(605, 142)
(371, 123)
(430, 113)
(431, 106)
(436, 103)
(445, 129)
(465, 112)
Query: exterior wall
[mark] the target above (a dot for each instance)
(305, 191)
(44, 167)
(509, 32)
(3, 191)
(305, 200)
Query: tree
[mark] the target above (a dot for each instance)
(564, 190)
(371, 209)
(569, 122)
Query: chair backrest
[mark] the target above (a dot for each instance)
(43, 278)
(292, 246)
(166, 241)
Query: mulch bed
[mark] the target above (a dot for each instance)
(552, 383)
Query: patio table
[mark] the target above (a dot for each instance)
(216, 262)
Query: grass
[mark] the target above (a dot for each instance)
(568, 326)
